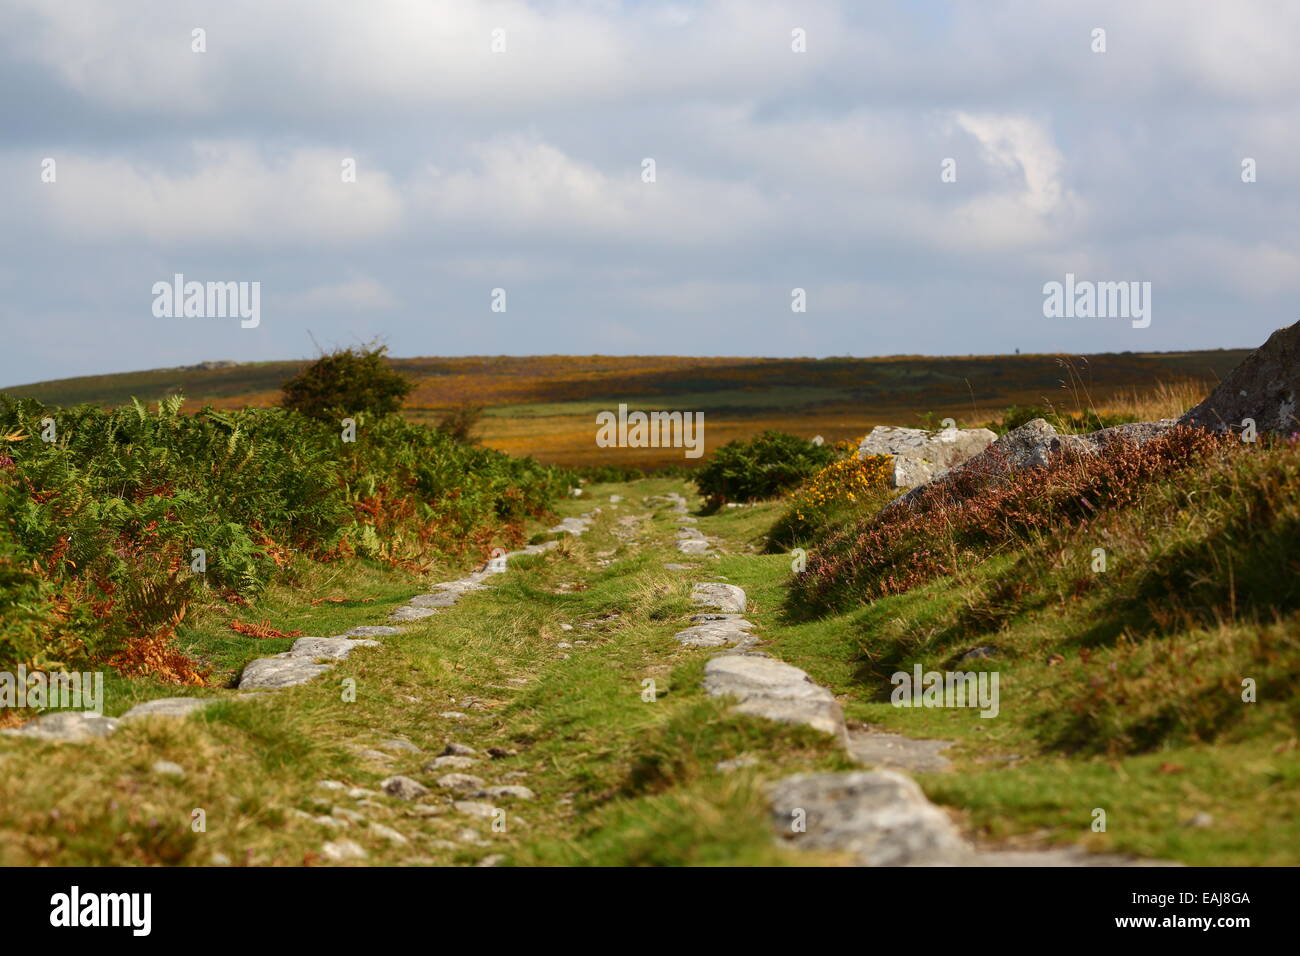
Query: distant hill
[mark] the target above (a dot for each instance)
(546, 405)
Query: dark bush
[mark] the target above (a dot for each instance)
(347, 382)
(761, 467)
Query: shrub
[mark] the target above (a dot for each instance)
(98, 528)
(347, 382)
(837, 493)
(461, 422)
(761, 467)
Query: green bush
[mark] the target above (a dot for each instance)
(761, 467)
(347, 382)
(98, 528)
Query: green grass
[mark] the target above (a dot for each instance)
(624, 781)
(1151, 728)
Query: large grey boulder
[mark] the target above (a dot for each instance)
(919, 454)
(879, 816)
(279, 671)
(765, 687)
(1264, 387)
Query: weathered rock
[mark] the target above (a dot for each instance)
(461, 782)
(388, 833)
(769, 688)
(693, 546)
(484, 811)
(1265, 387)
(880, 816)
(167, 768)
(1031, 445)
(279, 671)
(920, 454)
(729, 631)
(436, 599)
(724, 597)
(454, 749)
(407, 613)
(167, 707)
(372, 630)
(450, 763)
(398, 745)
(340, 851)
(1133, 433)
(403, 788)
(896, 752)
(72, 726)
(571, 526)
(334, 648)
(506, 792)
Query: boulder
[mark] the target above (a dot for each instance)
(268, 673)
(879, 816)
(769, 688)
(1031, 446)
(920, 454)
(724, 597)
(1264, 387)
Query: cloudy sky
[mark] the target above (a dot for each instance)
(523, 170)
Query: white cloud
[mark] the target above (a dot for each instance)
(234, 194)
(360, 294)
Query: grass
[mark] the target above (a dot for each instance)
(1120, 690)
(619, 780)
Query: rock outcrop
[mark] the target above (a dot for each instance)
(1264, 388)
(920, 455)
(1031, 446)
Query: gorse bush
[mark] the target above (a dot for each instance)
(762, 467)
(347, 382)
(837, 493)
(99, 529)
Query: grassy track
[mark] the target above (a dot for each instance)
(619, 779)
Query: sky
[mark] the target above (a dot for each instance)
(523, 169)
